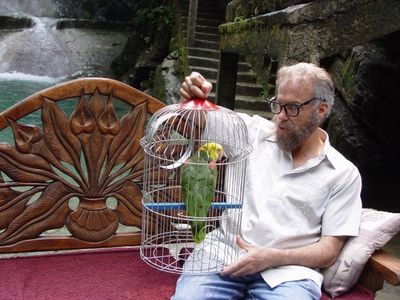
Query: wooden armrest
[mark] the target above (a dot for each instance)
(387, 265)
(381, 267)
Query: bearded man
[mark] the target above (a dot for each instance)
(302, 197)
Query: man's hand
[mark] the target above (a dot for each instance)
(195, 86)
(317, 255)
(255, 260)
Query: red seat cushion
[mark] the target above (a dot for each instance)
(103, 274)
(358, 292)
(111, 274)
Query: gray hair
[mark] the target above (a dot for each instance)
(309, 73)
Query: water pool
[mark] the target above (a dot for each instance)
(15, 87)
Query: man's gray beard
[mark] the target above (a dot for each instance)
(297, 135)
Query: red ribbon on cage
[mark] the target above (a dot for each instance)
(197, 103)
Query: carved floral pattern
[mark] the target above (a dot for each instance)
(91, 155)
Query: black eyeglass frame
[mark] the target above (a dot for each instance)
(283, 106)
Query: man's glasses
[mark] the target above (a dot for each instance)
(292, 110)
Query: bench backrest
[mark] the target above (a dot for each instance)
(74, 182)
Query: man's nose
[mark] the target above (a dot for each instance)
(282, 115)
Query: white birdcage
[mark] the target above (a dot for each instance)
(172, 136)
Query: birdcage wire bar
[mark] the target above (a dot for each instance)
(172, 135)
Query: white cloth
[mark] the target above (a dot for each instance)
(287, 208)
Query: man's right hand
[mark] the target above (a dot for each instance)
(195, 86)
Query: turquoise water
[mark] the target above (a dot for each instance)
(15, 87)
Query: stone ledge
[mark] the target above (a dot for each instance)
(10, 22)
(312, 31)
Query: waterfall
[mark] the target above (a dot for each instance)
(38, 8)
(48, 50)
(34, 51)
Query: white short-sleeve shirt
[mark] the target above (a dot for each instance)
(287, 208)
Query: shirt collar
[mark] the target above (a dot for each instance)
(327, 149)
(334, 157)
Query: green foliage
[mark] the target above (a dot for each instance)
(241, 24)
(158, 88)
(347, 73)
(153, 17)
(177, 44)
(239, 18)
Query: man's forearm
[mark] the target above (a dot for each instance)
(319, 255)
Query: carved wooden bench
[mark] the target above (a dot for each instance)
(76, 182)
(64, 174)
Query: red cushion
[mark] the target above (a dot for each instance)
(102, 274)
(358, 292)
(107, 273)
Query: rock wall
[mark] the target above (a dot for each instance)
(244, 9)
(148, 44)
(121, 10)
(363, 124)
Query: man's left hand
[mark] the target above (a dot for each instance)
(255, 260)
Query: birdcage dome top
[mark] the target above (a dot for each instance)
(175, 131)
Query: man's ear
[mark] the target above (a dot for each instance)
(323, 108)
